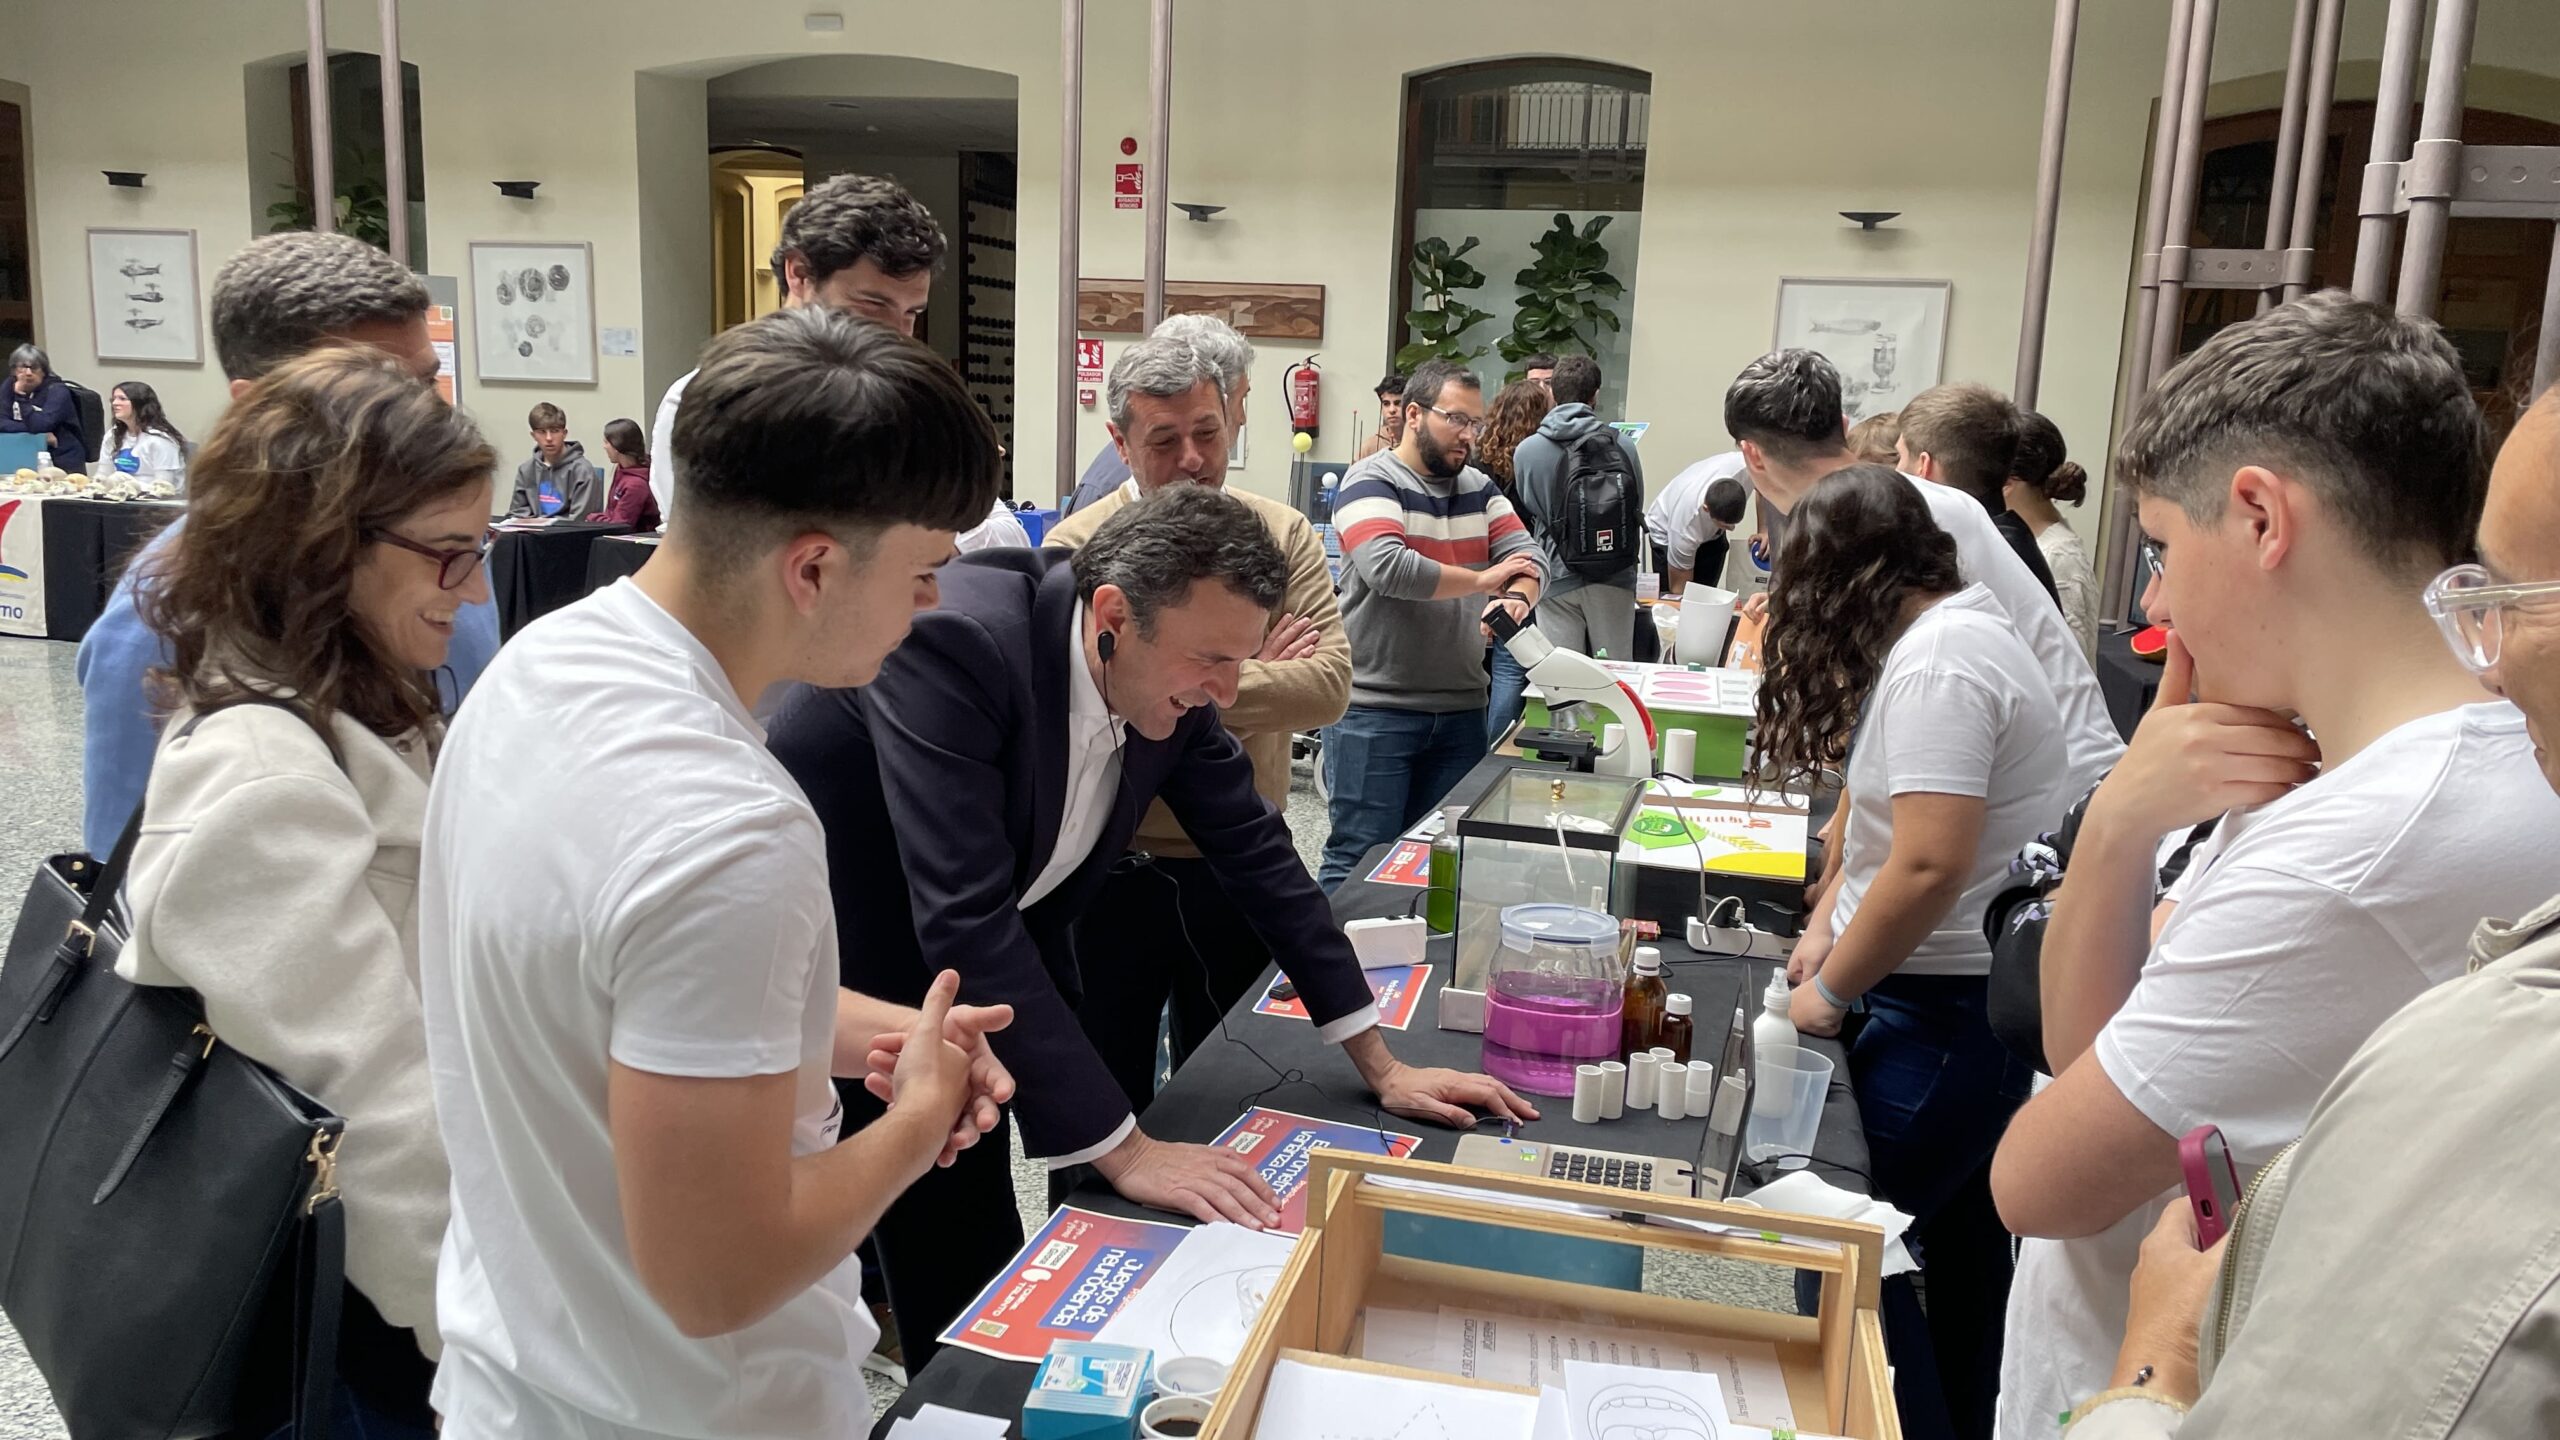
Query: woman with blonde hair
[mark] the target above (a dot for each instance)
(1515, 414)
(337, 518)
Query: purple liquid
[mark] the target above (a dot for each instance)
(1537, 1028)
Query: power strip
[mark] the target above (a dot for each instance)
(1746, 940)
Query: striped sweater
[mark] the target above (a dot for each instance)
(1398, 528)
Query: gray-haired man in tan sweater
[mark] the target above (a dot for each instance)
(1162, 928)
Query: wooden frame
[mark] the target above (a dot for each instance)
(1834, 1364)
(176, 306)
(1268, 312)
(564, 351)
(1873, 381)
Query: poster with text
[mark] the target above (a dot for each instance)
(1069, 1278)
(1282, 1145)
(1409, 863)
(1397, 987)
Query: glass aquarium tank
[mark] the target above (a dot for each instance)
(1539, 837)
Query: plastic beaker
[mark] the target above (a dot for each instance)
(1789, 1086)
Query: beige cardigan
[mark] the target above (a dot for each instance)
(1273, 701)
(284, 891)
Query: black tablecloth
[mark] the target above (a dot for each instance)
(616, 556)
(86, 545)
(534, 572)
(1209, 1091)
(2126, 679)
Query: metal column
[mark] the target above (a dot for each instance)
(2169, 312)
(395, 134)
(2435, 165)
(2378, 203)
(1070, 229)
(2289, 132)
(1159, 156)
(324, 160)
(2155, 213)
(2057, 116)
(2546, 351)
(2303, 245)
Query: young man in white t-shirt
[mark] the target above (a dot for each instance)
(628, 947)
(2301, 477)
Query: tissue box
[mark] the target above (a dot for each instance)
(1087, 1391)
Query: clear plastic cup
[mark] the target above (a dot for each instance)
(1789, 1087)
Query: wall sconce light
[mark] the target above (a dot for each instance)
(1200, 213)
(1869, 219)
(124, 179)
(516, 189)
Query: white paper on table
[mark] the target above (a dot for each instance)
(1521, 1350)
(1805, 1193)
(1205, 1297)
(1629, 1402)
(1551, 1423)
(1305, 1402)
(1400, 1337)
(940, 1422)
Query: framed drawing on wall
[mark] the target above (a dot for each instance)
(1889, 337)
(142, 296)
(533, 312)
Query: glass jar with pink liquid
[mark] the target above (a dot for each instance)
(1554, 997)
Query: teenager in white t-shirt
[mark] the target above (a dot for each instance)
(2301, 477)
(628, 950)
(1882, 657)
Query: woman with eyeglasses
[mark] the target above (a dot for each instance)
(337, 518)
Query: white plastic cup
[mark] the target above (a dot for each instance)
(1671, 1090)
(1680, 753)
(1613, 1089)
(1640, 1077)
(1786, 1105)
(1587, 1088)
(1198, 1376)
(1701, 1092)
(1705, 614)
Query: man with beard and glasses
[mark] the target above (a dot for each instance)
(1429, 547)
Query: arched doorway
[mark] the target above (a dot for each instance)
(1495, 151)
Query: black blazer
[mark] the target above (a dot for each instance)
(942, 786)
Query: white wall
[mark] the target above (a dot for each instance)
(1767, 119)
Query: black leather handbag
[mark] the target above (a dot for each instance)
(172, 1249)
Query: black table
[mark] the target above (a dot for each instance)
(616, 556)
(86, 545)
(2126, 679)
(534, 572)
(1210, 1089)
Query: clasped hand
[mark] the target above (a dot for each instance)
(942, 1064)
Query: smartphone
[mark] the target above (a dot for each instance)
(2213, 1186)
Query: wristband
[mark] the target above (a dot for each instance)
(1834, 1001)
(1514, 595)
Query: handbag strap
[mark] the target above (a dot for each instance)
(319, 1303)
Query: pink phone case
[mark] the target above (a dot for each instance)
(2206, 1158)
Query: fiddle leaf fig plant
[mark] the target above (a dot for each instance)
(1562, 307)
(1439, 273)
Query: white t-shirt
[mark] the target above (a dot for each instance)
(614, 865)
(662, 448)
(1001, 527)
(2302, 927)
(1677, 519)
(1983, 554)
(1959, 708)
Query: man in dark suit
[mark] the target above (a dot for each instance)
(976, 794)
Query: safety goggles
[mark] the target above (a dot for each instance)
(2468, 605)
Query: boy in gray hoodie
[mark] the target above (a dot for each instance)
(558, 479)
(1579, 611)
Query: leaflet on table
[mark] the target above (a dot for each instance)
(1409, 863)
(1063, 1284)
(1527, 1350)
(1205, 1299)
(1281, 1146)
(1397, 987)
(1721, 828)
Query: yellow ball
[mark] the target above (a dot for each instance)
(1302, 442)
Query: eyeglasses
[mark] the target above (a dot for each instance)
(2153, 558)
(2467, 603)
(1463, 424)
(453, 567)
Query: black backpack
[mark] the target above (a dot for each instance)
(1597, 521)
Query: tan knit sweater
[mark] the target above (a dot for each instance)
(1273, 701)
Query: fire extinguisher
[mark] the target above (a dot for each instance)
(1305, 383)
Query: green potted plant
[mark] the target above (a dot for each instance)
(1439, 272)
(1561, 309)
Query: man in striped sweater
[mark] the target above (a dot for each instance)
(1430, 546)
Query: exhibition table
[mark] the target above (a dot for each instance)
(1224, 1078)
(616, 556)
(86, 545)
(534, 572)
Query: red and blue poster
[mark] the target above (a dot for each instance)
(1409, 863)
(1398, 988)
(1067, 1280)
(1282, 1145)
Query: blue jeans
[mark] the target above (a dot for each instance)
(1510, 694)
(1385, 769)
(1935, 1090)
